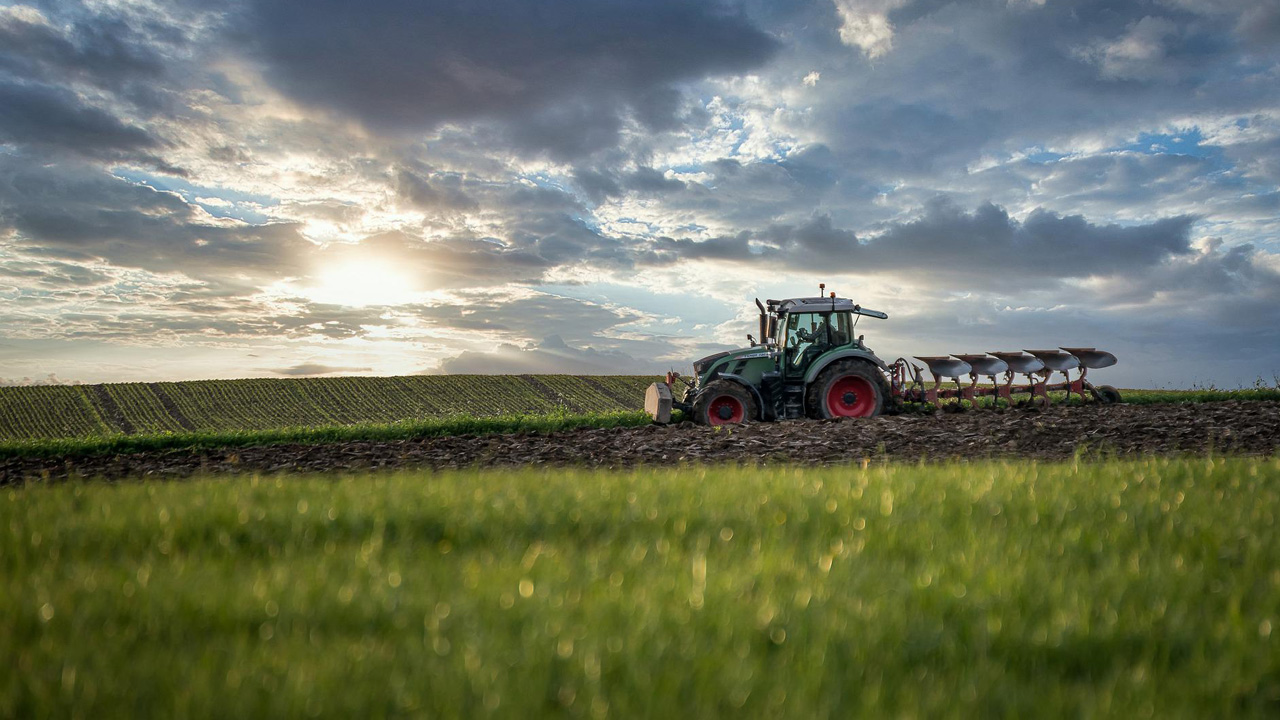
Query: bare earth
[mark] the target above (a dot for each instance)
(1251, 428)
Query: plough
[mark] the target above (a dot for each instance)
(1037, 367)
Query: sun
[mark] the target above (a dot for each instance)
(361, 283)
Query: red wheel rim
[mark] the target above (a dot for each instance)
(851, 396)
(725, 410)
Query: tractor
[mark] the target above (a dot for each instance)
(809, 363)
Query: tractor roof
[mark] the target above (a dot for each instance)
(822, 304)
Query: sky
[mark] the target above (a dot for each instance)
(286, 188)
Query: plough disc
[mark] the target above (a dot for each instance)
(984, 364)
(944, 366)
(1093, 358)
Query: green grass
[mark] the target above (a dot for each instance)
(1149, 397)
(1121, 589)
(237, 406)
(113, 444)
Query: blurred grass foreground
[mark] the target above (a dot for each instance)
(1118, 589)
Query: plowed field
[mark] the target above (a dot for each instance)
(1060, 432)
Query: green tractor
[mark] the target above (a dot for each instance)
(808, 363)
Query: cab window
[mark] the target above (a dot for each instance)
(808, 336)
(841, 331)
(805, 329)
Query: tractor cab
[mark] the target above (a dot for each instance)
(812, 327)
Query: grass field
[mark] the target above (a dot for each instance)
(1121, 589)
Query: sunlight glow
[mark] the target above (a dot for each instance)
(361, 283)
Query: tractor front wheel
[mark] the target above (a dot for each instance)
(849, 388)
(724, 402)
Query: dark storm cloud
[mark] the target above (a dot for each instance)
(197, 313)
(70, 84)
(1203, 276)
(48, 274)
(52, 117)
(441, 193)
(985, 245)
(964, 79)
(77, 212)
(755, 194)
(104, 49)
(988, 242)
(560, 76)
(600, 185)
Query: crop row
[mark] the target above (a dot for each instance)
(30, 413)
(49, 411)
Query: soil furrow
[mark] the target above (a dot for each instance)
(111, 410)
(1061, 432)
(171, 407)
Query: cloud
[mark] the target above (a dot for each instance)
(50, 379)
(70, 211)
(1140, 53)
(552, 356)
(53, 118)
(104, 49)
(559, 78)
(434, 192)
(307, 369)
(1201, 279)
(865, 24)
(985, 246)
(599, 185)
(525, 316)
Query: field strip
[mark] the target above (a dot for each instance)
(203, 406)
(1063, 432)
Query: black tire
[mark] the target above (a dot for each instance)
(1108, 394)
(716, 404)
(865, 391)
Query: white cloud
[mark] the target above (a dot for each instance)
(1139, 53)
(864, 24)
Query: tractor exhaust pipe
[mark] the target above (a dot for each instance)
(764, 324)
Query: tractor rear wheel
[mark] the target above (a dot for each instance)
(847, 388)
(724, 402)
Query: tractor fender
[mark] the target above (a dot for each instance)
(826, 360)
(755, 392)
